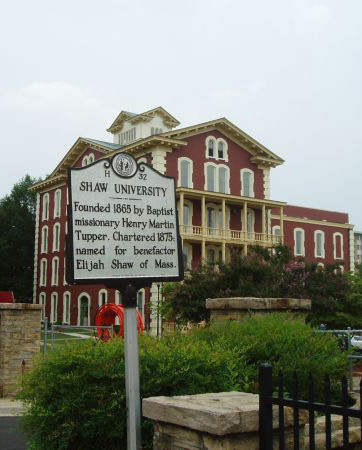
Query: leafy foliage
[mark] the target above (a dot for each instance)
(336, 297)
(17, 228)
(75, 396)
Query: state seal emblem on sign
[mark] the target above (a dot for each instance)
(125, 165)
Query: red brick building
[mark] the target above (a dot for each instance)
(223, 193)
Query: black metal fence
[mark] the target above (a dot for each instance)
(280, 398)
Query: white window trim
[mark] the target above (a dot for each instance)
(55, 273)
(102, 291)
(56, 242)
(85, 161)
(64, 272)
(64, 306)
(91, 158)
(44, 239)
(190, 174)
(274, 228)
(302, 243)
(142, 291)
(57, 203)
(118, 297)
(252, 211)
(189, 255)
(242, 171)
(216, 142)
(42, 301)
(43, 272)
(46, 203)
(191, 207)
(316, 233)
(53, 308)
(335, 246)
(217, 166)
(83, 294)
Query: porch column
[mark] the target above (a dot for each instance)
(203, 228)
(282, 224)
(223, 253)
(245, 228)
(264, 238)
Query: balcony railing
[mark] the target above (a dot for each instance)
(236, 236)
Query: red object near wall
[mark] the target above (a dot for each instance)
(7, 297)
(106, 316)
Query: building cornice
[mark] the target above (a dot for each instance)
(313, 222)
(259, 151)
(49, 183)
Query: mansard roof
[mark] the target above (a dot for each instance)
(260, 154)
(134, 118)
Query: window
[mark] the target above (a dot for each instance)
(187, 255)
(54, 307)
(185, 169)
(338, 252)
(118, 298)
(216, 148)
(211, 148)
(57, 203)
(141, 302)
(91, 158)
(44, 239)
(155, 131)
(56, 237)
(65, 272)
(127, 136)
(217, 178)
(250, 220)
(247, 183)
(214, 219)
(213, 254)
(83, 309)
(299, 242)
(45, 214)
(276, 230)
(42, 301)
(319, 251)
(43, 272)
(66, 307)
(102, 297)
(85, 161)
(55, 271)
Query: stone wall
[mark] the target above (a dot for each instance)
(19, 343)
(236, 308)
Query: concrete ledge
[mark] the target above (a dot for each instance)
(21, 306)
(9, 408)
(255, 303)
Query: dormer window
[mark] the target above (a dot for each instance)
(156, 131)
(127, 136)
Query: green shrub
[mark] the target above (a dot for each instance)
(76, 395)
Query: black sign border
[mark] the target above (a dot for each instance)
(116, 283)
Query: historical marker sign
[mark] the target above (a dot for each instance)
(122, 223)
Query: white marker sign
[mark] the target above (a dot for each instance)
(122, 222)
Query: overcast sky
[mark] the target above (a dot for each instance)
(287, 72)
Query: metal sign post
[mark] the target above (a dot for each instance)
(123, 233)
(132, 369)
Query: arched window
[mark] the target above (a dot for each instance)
(54, 307)
(84, 309)
(42, 301)
(220, 150)
(247, 183)
(141, 302)
(57, 203)
(118, 296)
(299, 238)
(185, 172)
(319, 251)
(55, 271)
(44, 239)
(276, 230)
(66, 307)
(338, 252)
(45, 213)
(56, 237)
(102, 297)
(43, 272)
(91, 158)
(210, 177)
(211, 148)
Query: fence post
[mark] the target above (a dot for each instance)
(45, 349)
(265, 407)
(53, 330)
(350, 363)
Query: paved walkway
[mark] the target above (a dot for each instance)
(77, 335)
(12, 436)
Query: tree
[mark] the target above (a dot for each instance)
(17, 228)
